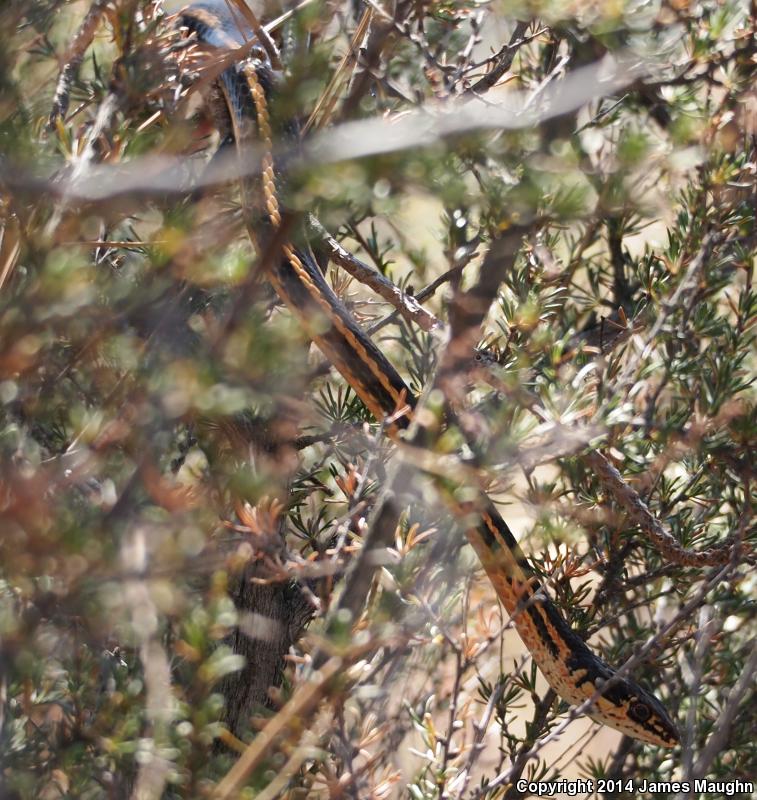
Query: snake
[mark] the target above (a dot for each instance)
(567, 663)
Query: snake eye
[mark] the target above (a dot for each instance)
(640, 712)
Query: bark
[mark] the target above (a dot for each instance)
(271, 619)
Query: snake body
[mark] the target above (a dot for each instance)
(568, 664)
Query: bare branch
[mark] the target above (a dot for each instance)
(639, 512)
(504, 59)
(407, 306)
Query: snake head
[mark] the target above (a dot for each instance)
(625, 706)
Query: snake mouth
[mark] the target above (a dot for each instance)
(663, 733)
(622, 704)
(630, 709)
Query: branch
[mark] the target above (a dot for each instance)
(357, 584)
(506, 56)
(639, 513)
(301, 705)
(468, 309)
(407, 305)
(164, 176)
(467, 255)
(72, 61)
(719, 737)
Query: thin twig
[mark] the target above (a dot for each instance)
(480, 728)
(717, 741)
(468, 254)
(328, 98)
(703, 639)
(262, 36)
